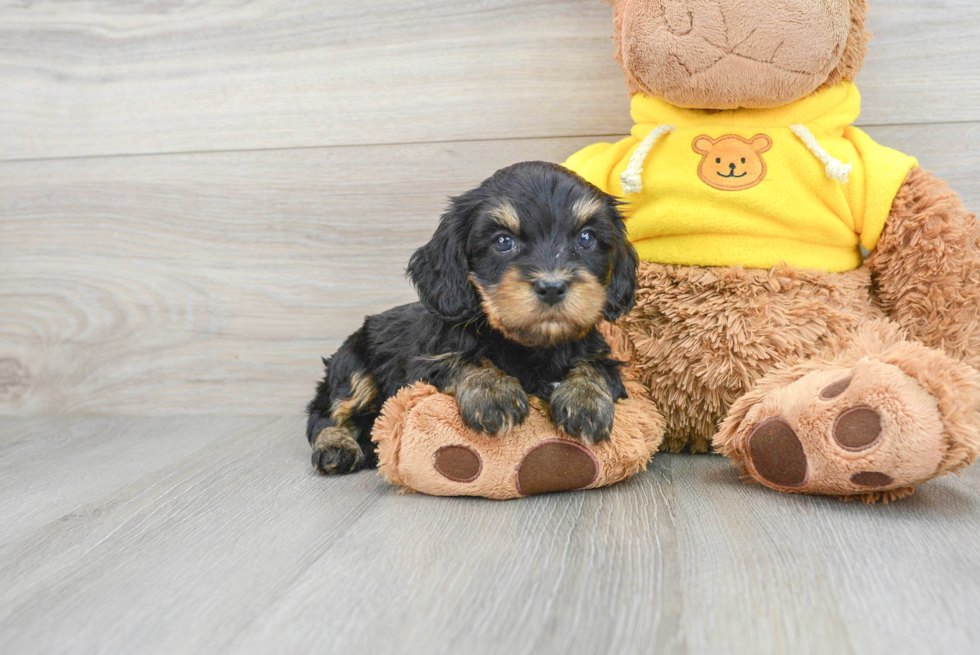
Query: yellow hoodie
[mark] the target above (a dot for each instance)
(751, 187)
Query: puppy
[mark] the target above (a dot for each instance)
(511, 286)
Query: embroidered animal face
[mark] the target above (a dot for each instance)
(731, 163)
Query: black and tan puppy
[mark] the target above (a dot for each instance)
(512, 285)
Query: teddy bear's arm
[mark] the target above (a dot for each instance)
(926, 268)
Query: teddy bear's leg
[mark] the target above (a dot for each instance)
(926, 267)
(872, 421)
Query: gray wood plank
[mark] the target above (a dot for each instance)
(684, 559)
(212, 283)
(239, 547)
(108, 78)
(49, 466)
(179, 558)
(821, 576)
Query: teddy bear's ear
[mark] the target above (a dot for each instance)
(761, 143)
(702, 145)
(856, 48)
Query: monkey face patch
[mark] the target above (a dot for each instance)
(731, 163)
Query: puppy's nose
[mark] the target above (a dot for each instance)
(550, 292)
(732, 166)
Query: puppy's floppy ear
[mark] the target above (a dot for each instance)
(440, 270)
(621, 289)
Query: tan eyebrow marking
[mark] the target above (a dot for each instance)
(506, 215)
(585, 208)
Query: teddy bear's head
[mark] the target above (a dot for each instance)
(729, 54)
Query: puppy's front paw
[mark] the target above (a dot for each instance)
(583, 409)
(491, 401)
(335, 452)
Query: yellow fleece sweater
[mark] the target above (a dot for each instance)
(745, 188)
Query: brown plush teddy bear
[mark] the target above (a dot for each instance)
(809, 301)
(758, 327)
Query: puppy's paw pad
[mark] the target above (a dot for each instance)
(335, 452)
(556, 466)
(458, 463)
(336, 461)
(776, 453)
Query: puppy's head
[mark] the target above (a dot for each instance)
(542, 253)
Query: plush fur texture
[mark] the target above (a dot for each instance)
(512, 285)
(418, 423)
(699, 338)
(726, 54)
(713, 344)
(926, 268)
(861, 384)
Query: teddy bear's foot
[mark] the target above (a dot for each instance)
(871, 430)
(425, 445)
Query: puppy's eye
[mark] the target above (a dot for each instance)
(743, 160)
(503, 243)
(586, 240)
(718, 161)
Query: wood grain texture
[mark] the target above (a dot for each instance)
(94, 78)
(328, 137)
(236, 546)
(212, 283)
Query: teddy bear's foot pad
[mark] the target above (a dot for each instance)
(848, 432)
(777, 453)
(458, 463)
(556, 466)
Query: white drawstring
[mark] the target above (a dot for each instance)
(631, 177)
(835, 169)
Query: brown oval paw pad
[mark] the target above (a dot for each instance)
(458, 463)
(831, 391)
(858, 428)
(777, 454)
(872, 479)
(556, 466)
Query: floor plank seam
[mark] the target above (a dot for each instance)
(392, 144)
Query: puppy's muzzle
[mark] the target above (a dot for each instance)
(551, 292)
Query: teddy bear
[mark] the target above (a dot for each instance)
(808, 300)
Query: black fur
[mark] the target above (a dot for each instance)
(447, 340)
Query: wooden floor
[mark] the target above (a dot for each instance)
(213, 535)
(198, 199)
